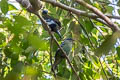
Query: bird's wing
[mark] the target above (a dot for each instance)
(49, 22)
(52, 18)
(62, 44)
(58, 23)
(57, 59)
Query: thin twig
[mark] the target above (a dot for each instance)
(107, 65)
(98, 29)
(117, 66)
(20, 12)
(51, 47)
(103, 69)
(101, 21)
(114, 58)
(84, 31)
(46, 72)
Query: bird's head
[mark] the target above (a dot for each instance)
(45, 12)
(68, 41)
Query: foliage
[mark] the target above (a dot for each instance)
(25, 45)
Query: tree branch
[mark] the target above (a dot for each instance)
(101, 21)
(76, 11)
(113, 26)
(32, 10)
(49, 31)
(86, 14)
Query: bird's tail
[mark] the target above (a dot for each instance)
(59, 34)
(54, 66)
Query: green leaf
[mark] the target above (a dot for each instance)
(66, 73)
(16, 69)
(37, 42)
(108, 44)
(73, 76)
(97, 5)
(29, 70)
(84, 39)
(76, 29)
(82, 76)
(97, 76)
(118, 51)
(66, 21)
(59, 11)
(22, 21)
(21, 25)
(11, 7)
(87, 24)
(109, 9)
(40, 68)
(52, 9)
(89, 72)
(4, 6)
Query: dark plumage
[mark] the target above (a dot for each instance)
(53, 23)
(59, 56)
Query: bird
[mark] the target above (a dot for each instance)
(59, 56)
(53, 23)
